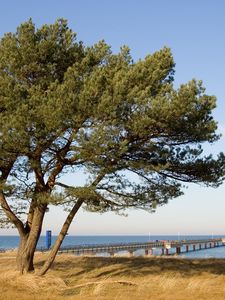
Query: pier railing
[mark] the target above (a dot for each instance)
(148, 247)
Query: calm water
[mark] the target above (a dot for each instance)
(9, 242)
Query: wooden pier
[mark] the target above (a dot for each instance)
(164, 247)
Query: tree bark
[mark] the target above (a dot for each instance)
(24, 259)
(60, 238)
(28, 242)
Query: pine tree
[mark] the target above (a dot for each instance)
(66, 107)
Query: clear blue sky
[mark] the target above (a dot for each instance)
(194, 30)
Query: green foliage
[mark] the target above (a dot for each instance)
(66, 107)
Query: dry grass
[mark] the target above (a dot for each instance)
(116, 278)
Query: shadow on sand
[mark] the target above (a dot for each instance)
(137, 266)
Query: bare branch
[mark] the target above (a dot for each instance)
(10, 214)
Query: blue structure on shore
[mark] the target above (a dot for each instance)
(48, 240)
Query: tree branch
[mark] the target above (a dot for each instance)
(10, 214)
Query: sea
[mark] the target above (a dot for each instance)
(12, 242)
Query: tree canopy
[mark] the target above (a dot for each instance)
(66, 107)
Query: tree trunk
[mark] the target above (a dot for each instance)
(60, 238)
(28, 242)
(24, 259)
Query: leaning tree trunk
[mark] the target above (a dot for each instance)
(28, 242)
(60, 238)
